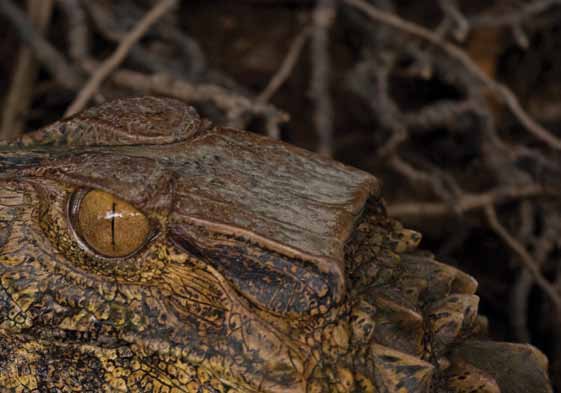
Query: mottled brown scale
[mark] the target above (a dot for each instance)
(144, 250)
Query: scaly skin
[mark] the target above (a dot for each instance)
(264, 269)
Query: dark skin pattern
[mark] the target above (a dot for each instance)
(264, 268)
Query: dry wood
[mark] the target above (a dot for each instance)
(454, 52)
(18, 102)
(91, 87)
(55, 62)
(523, 256)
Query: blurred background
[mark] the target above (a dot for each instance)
(454, 104)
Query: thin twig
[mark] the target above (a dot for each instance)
(441, 183)
(442, 113)
(370, 79)
(520, 36)
(524, 256)
(189, 47)
(91, 87)
(543, 247)
(19, 97)
(519, 305)
(520, 293)
(468, 201)
(165, 84)
(323, 18)
(77, 35)
(286, 67)
(53, 61)
(280, 77)
(451, 9)
(516, 17)
(459, 55)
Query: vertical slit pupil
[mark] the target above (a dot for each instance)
(113, 207)
(99, 231)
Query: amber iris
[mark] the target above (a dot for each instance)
(109, 225)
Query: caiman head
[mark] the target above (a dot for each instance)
(145, 250)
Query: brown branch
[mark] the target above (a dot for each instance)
(370, 80)
(524, 281)
(451, 10)
(189, 46)
(524, 256)
(459, 55)
(53, 61)
(528, 10)
(78, 33)
(544, 247)
(91, 87)
(442, 184)
(165, 84)
(469, 201)
(19, 97)
(280, 77)
(323, 18)
(286, 67)
(519, 305)
(443, 113)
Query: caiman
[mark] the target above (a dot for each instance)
(143, 249)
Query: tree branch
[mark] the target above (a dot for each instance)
(91, 87)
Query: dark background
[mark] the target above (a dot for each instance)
(454, 105)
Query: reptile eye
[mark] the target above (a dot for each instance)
(108, 225)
